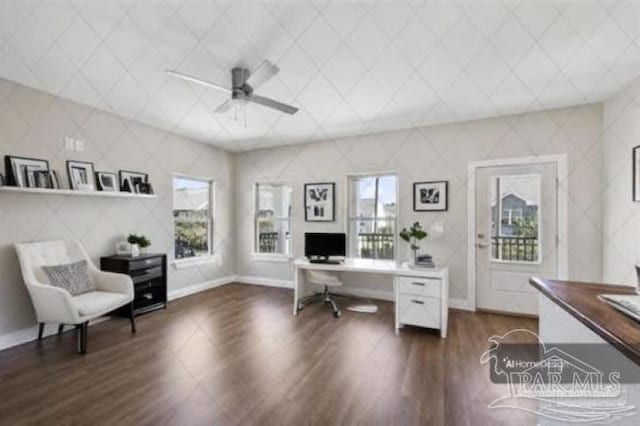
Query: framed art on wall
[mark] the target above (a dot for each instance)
(636, 174)
(430, 196)
(129, 180)
(81, 175)
(21, 171)
(319, 202)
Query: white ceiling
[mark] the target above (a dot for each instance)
(352, 68)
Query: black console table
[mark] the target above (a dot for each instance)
(149, 275)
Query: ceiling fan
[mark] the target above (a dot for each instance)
(243, 83)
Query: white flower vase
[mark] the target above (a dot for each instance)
(135, 250)
(144, 250)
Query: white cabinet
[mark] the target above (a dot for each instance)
(422, 300)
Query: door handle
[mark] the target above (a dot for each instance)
(482, 246)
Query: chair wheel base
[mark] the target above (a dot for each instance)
(337, 314)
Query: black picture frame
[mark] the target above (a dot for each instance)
(635, 166)
(126, 179)
(421, 205)
(80, 170)
(315, 209)
(43, 179)
(107, 182)
(16, 174)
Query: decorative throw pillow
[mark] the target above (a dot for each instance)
(73, 277)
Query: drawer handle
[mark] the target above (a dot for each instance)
(419, 302)
(148, 296)
(148, 261)
(417, 283)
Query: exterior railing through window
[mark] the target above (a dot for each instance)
(519, 249)
(268, 242)
(376, 245)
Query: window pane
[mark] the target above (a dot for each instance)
(192, 217)
(273, 208)
(373, 211)
(515, 218)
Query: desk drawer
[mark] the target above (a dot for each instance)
(419, 286)
(420, 311)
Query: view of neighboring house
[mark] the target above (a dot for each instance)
(515, 210)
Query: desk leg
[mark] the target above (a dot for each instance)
(296, 290)
(444, 309)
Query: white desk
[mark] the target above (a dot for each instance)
(421, 295)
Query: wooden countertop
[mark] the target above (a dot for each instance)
(580, 299)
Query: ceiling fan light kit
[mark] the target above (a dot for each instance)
(243, 84)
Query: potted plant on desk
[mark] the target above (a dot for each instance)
(413, 236)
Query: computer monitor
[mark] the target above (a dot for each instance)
(320, 246)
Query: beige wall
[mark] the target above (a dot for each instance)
(621, 216)
(434, 153)
(34, 124)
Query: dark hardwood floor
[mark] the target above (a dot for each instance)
(236, 355)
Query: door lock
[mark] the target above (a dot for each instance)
(481, 235)
(482, 246)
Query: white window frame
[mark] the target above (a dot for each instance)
(211, 256)
(353, 242)
(271, 257)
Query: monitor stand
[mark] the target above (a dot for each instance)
(323, 259)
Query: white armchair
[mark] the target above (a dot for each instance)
(56, 305)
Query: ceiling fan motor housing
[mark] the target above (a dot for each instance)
(241, 89)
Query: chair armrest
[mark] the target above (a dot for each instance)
(52, 304)
(113, 282)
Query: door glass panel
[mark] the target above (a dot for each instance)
(515, 218)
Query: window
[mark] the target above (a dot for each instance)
(272, 219)
(515, 218)
(372, 216)
(192, 217)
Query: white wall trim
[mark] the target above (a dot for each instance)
(563, 214)
(197, 288)
(268, 282)
(30, 334)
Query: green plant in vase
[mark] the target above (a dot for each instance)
(140, 241)
(413, 236)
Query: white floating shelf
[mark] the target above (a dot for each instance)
(19, 190)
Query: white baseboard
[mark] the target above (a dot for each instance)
(197, 288)
(462, 304)
(269, 282)
(30, 334)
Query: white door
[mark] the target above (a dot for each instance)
(516, 234)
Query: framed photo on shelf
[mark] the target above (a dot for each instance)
(107, 182)
(636, 174)
(21, 170)
(81, 175)
(43, 179)
(129, 180)
(319, 202)
(430, 196)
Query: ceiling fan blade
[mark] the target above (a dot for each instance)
(270, 103)
(196, 80)
(262, 74)
(224, 107)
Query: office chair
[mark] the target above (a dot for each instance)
(324, 279)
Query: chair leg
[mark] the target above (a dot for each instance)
(40, 330)
(81, 337)
(60, 329)
(132, 318)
